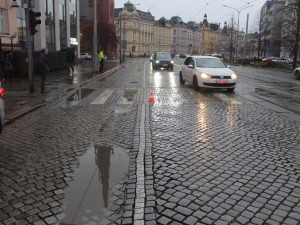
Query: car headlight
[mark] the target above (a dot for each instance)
(233, 76)
(204, 75)
(172, 62)
(157, 61)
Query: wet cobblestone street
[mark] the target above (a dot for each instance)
(105, 155)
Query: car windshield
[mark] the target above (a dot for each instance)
(163, 56)
(210, 63)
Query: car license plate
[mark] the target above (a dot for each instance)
(222, 81)
(165, 64)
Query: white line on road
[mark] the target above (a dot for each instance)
(101, 99)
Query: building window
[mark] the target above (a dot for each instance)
(21, 24)
(3, 21)
(73, 18)
(49, 24)
(62, 23)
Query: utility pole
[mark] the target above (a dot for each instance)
(95, 58)
(246, 37)
(120, 18)
(29, 48)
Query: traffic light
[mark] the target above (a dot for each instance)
(33, 17)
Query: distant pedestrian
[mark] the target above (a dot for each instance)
(7, 65)
(130, 55)
(70, 56)
(44, 68)
(101, 60)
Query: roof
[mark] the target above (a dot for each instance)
(145, 15)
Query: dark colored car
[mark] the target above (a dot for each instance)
(162, 60)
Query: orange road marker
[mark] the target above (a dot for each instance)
(151, 99)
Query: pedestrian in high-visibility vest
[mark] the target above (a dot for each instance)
(101, 60)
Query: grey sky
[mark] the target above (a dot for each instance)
(195, 9)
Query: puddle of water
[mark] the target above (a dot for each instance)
(80, 94)
(100, 169)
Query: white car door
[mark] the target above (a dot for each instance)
(190, 70)
(186, 70)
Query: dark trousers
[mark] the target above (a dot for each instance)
(43, 80)
(101, 66)
(70, 66)
(8, 74)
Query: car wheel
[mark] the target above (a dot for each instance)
(297, 75)
(171, 68)
(230, 89)
(181, 79)
(195, 84)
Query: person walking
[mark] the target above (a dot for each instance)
(101, 60)
(44, 68)
(7, 65)
(70, 56)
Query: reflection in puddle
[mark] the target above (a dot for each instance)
(80, 94)
(100, 169)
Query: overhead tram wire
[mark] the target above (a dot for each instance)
(223, 17)
(207, 4)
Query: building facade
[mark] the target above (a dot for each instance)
(8, 25)
(211, 37)
(271, 27)
(105, 25)
(141, 34)
(185, 37)
(59, 26)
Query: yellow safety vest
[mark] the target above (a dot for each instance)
(101, 56)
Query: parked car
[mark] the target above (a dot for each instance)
(162, 60)
(297, 73)
(1, 109)
(207, 72)
(281, 60)
(151, 57)
(218, 56)
(183, 56)
(85, 56)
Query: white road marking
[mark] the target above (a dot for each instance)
(101, 99)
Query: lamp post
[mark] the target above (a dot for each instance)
(95, 58)
(237, 33)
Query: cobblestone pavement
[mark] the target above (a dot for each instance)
(209, 157)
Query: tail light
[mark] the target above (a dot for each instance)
(1, 92)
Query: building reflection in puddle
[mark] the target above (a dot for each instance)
(78, 95)
(99, 170)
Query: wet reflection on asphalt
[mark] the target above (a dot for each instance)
(99, 170)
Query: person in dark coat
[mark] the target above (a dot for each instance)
(70, 56)
(7, 65)
(44, 68)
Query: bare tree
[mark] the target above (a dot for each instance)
(257, 27)
(291, 28)
(228, 38)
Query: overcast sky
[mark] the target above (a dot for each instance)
(195, 9)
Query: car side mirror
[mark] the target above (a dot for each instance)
(190, 66)
(228, 66)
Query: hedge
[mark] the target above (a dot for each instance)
(57, 61)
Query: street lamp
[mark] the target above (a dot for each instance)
(237, 33)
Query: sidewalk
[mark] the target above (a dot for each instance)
(18, 101)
